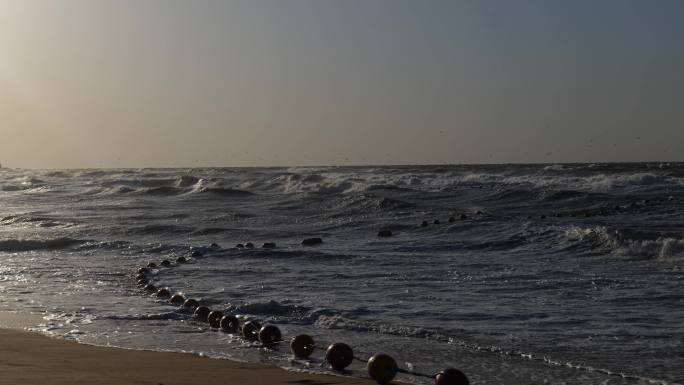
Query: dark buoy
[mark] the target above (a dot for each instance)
(452, 219)
(143, 282)
(215, 246)
(479, 212)
(163, 293)
(143, 270)
(269, 335)
(250, 330)
(151, 264)
(165, 263)
(150, 287)
(423, 224)
(249, 245)
(339, 355)
(181, 260)
(436, 222)
(214, 319)
(384, 233)
(268, 245)
(542, 217)
(229, 324)
(463, 216)
(177, 299)
(140, 276)
(302, 346)
(240, 246)
(201, 313)
(196, 254)
(382, 368)
(312, 241)
(451, 376)
(191, 304)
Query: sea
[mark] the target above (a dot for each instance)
(514, 274)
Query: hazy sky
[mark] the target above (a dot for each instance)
(87, 83)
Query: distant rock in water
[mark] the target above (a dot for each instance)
(312, 241)
(384, 233)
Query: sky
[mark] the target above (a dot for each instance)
(172, 83)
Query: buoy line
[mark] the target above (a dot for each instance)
(381, 367)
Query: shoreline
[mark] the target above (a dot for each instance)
(28, 357)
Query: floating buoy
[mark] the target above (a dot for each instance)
(215, 246)
(302, 345)
(177, 299)
(249, 245)
(463, 216)
(452, 219)
(229, 324)
(214, 319)
(382, 368)
(165, 263)
(269, 335)
(181, 259)
(143, 282)
(424, 224)
(384, 233)
(190, 304)
(163, 293)
(143, 270)
(451, 376)
(141, 276)
(239, 245)
(268, 245)
(250, 330)
(151, 264)
(312, 241)
(339, 355)
(150, 287)
(196, 254)
(201, 313)
(436, 222)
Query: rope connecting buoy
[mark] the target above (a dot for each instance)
(214, 319)
(201, 313)
(339, 355)
(451, 376)
(191, 304)
(181, 259)
(150, 287)
(382, 368)
(229, 324)
(302, 346)
(165, 263)
(312, 241)
(163, 293)
(269, 335)
(177, 299)
(250, 330)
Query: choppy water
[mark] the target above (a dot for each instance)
(589, 294)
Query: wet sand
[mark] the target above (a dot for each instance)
(31, 358)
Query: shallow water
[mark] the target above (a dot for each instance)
(559, 274)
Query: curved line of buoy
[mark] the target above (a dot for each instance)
(381, 367)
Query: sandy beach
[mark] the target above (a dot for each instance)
(31, 358)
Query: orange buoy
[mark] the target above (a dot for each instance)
(302, 346)
(382, 368)
(269, 335)
(451, 376)
(339, 355)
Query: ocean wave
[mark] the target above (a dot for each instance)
(636, 244)
(18, 245)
